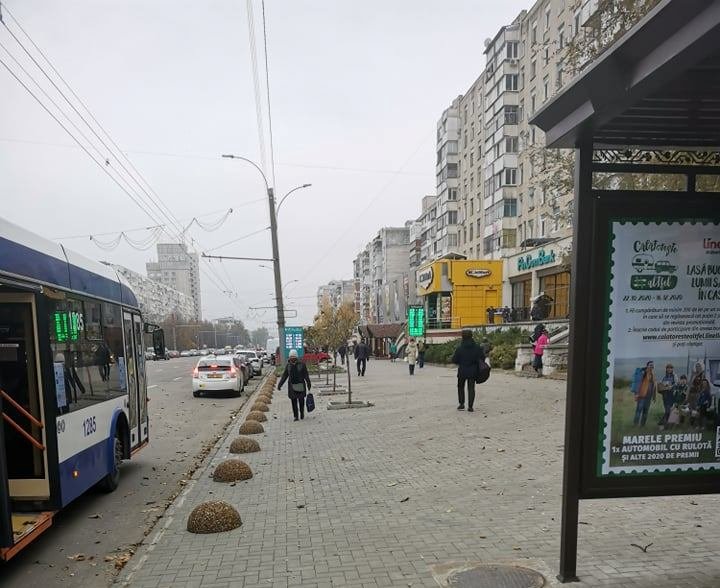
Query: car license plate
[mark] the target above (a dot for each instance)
(214, 375)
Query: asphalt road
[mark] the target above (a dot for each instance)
(97, 526)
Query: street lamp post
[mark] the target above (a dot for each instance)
(274, 238)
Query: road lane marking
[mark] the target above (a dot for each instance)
(178, 378)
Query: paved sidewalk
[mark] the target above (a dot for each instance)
(388, 495)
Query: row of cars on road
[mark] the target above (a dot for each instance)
(227, 370)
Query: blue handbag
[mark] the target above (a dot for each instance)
(310, 402)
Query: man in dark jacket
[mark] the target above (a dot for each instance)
(362, 353)
(467, 356)
(298, 378)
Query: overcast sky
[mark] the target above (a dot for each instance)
(356, 88)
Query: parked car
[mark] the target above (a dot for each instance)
(244, 368)
(204, 352)
(185, 353)
(150, 354)
(164, 356)
(194, 352)
(310, 358)
(254, 360)
(174, 353)
(215, 374)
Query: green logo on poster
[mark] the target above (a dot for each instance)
(653, 282)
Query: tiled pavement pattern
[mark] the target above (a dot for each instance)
(376, 497)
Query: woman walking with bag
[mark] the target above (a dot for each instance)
(298, 378)
(467, 356)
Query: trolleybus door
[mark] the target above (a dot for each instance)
(142, 389)
(23, 457)
(132, 377)
(22, 407)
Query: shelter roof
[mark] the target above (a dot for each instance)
(659, 85)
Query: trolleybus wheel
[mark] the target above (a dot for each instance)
(112, 480)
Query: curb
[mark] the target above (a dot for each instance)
(147, 546)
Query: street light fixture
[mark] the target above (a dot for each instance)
(288, 194)
(275, 246)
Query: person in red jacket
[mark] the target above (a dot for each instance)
(542, 342)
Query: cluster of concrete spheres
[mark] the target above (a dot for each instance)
(216, 516)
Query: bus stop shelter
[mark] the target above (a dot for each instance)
(644, 120)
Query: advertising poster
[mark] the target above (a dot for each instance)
(660, 411)
(294, 339)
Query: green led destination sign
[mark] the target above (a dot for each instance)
(67, 326)
(416, 321)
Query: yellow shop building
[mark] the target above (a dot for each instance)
(456, 293)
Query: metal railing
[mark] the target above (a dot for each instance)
(7, 398)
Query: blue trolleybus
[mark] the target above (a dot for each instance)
(73, 397)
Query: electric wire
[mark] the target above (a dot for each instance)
(267, 84)
(238, 239)
(159, 204)
(256, 83)
(137, 199)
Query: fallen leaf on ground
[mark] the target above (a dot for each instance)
(95, 516)
(405, 499)
(77, 557)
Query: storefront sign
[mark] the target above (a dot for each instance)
(478, 273)
(529, 262)
(664, 310)
(425, 277)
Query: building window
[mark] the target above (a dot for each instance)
(510, 176)
(546, 87)
(561, 39)
(533, 69)
(547, 18)
(546, 56)
(452, 194)
(511, 82)
(452, 217)
(532, 104)
(452, 240)
(533, 33)
(511, 115)
(557, 287)
(510, 207)
(512, 49)
(511, 144)
(509, 238)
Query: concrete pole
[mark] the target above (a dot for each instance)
(278, 277)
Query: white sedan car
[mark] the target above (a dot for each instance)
(215, 374)
(253, 359)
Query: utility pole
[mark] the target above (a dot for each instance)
(276, 268)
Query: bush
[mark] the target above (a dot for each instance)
(441, 352)
(503, 356)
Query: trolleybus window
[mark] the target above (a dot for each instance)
(88, 353)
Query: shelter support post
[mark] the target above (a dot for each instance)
(579, 335)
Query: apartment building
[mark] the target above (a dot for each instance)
(447, 222)
(336, 293)
(179, 269)
(381, 276)
(471, 170)
(515, 198)
(158, 302)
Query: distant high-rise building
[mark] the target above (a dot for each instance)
(336, 293)
(381, 273)
(158, 302)
(180, 269)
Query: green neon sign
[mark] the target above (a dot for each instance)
(416, 321)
